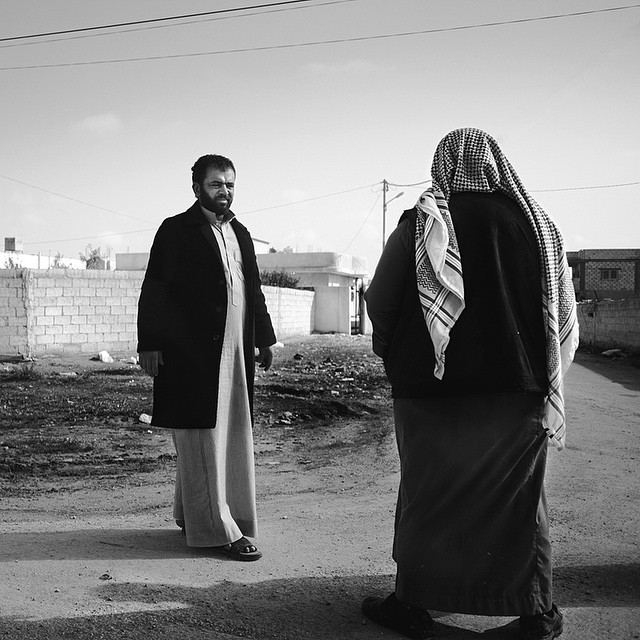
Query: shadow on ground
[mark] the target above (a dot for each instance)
(91, 544)
(325, 608)
(310, 608)
(624, 371)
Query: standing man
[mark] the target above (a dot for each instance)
(475, 271)
(201, 316)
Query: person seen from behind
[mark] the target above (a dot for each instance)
(473, 313)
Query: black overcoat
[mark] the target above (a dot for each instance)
(182, 312)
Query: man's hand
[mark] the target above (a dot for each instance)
(150, 362)
(265, 357)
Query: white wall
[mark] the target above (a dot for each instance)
(16, 259)
(332, 310)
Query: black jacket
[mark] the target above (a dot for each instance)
(182, 312)
(498, 344)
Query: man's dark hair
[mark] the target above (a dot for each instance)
(199, 169)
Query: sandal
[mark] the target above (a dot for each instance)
(241, 549)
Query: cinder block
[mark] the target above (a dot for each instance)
(71, 311)
(17, 321)
(53, 311)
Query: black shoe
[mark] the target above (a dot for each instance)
(544, 626)
(391, 613)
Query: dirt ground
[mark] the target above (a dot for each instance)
(90, 549)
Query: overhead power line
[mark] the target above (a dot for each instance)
(320, 42)
(86, 204)
(183, 23)
(363, 223)
(103, 235)
(289, 204)
(278, 206)
(596, 186)
(153, 20)
(413, 184)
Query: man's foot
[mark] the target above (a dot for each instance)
(544, 626)
(391, 613)
(241, 549)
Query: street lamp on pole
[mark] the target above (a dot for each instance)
(385, 202)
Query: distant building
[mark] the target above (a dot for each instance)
(20, 260)
(132, 261)
(13, 244)
(605, 273)
(337, 280)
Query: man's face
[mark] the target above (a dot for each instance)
(216, 191)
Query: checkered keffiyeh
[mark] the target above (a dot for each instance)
(471, 160)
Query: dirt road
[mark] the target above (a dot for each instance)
(100, 557)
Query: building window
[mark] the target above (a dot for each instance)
(609, 274)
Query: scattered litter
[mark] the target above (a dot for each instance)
(613, 353)
(106, 576)
(67, 374)
(286, 418)
(103, 356)
(145, 417)
(298, 356)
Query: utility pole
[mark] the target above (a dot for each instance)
(385, 188)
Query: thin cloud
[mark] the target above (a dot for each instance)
(100, 124)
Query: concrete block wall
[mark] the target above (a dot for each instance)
(13, 312)
(610, 325)
(292, 311)
(71, 311)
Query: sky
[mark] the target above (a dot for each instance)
(316, 102)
